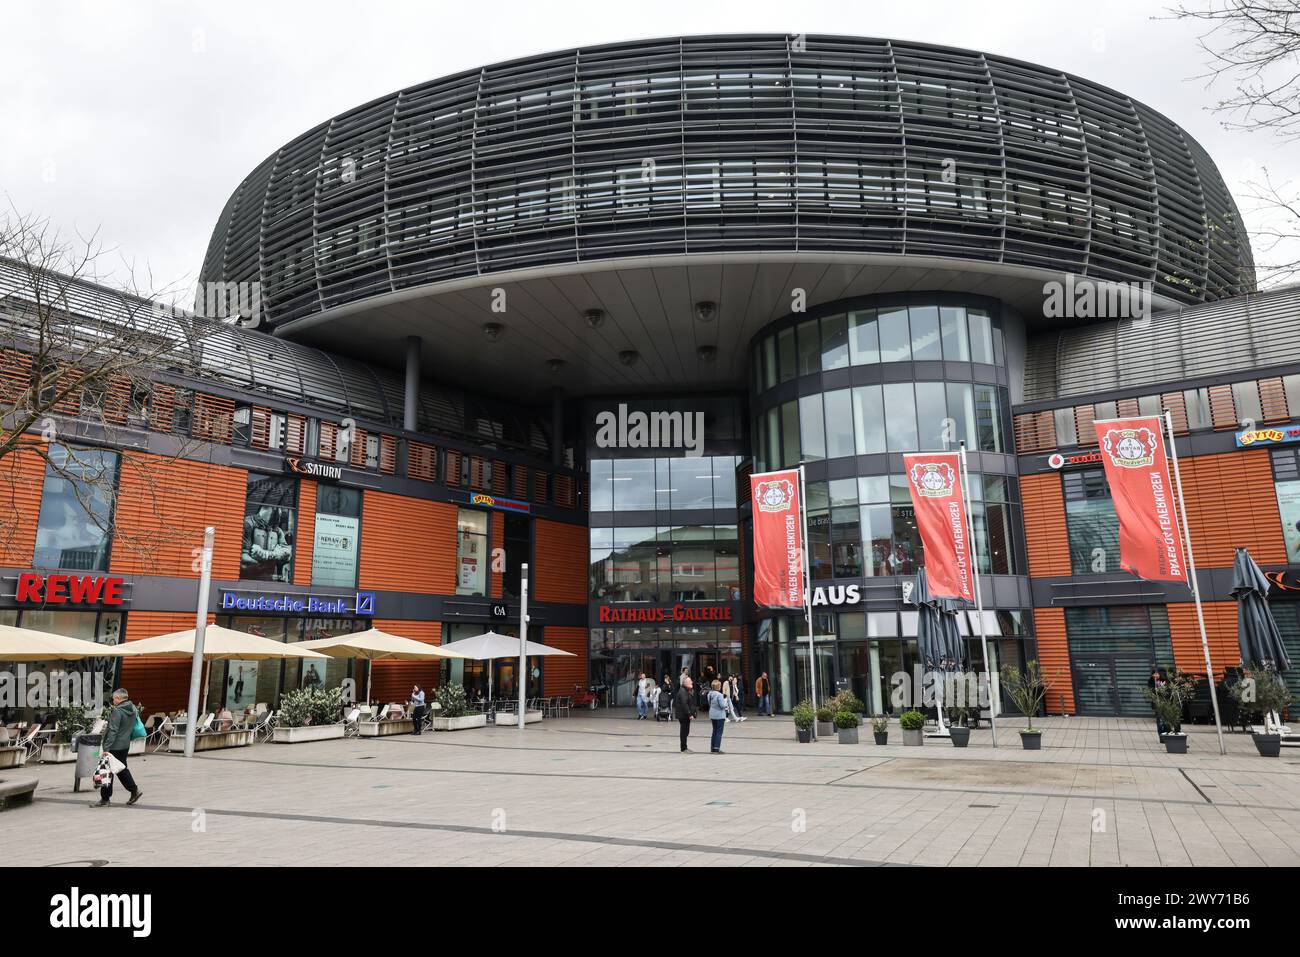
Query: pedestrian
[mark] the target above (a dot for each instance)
(719, 708)
(652, 699)
(763, 691)
(665, 699)
(735, 692)
(117, 742)
(641, 696)
(684, 703)
(417, 710)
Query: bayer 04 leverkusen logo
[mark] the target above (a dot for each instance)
(1130, 448)
(774, 495)
(933, 479)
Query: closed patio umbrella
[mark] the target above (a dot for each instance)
(375, 645)
(26, 644)
(1257, 632)
(490, 645)
(938, 639)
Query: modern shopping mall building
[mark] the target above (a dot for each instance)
(556, 311)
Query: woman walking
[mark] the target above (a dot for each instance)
(719, 708)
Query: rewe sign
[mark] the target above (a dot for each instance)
(650, 430)
(69, 589)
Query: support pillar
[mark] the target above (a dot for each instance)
(412, 398)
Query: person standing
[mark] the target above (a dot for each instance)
(719, 707)
(763, 690)
(641, 698)
(417, 709)
(684, 703)
(117, 742)
(666, 697)
(736, 694)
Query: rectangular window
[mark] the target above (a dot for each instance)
(981, 336)
(835, 342)
(1198, 409)
(1286, 475)
(471, 552)
(1245, 395)
(790, 434)
(952, 329)
(895, 340)
(1091, 524)
(810, 348)
(602, 485)
(900, 417)
(868, 420)
(1067, 429)
(988, 418)
(336, 542)
(839, 424)
(864, 342)
(811, 427)
(786, 354)
(74, 528)
(270, 527)
(846, 539)
(933, 429)
(925, 333)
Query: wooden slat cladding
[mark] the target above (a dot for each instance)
(564, 491)
(421, 462)
(157, 684)
(478, 473)
(22, 478)
(1083, 419)
(357, 454)
(163, 505)
(1127, 408)
(453, 465)
(541, 486)
(164, 402)
(305, 539)
(1054, 659)
(15, 376)
(214, 418)
(561, 560)
(561, 675)
(387, 454)
(1223, 410)
(329, 439)
(1043, 505)
(1220, 634)
(1231, 502)
(295, 434)
(519, 482)
(1272, 399)
(500, 478)
(408, 544)
(1175, 403)
(392, 680)
(1035, 432)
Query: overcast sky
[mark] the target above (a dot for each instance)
(139, 119)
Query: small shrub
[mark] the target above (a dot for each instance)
(1263, 690)
(880, 724)
(825, 714)
(310, 707)
(1027, 689)
(848, 701)
(911, 721)
(71, 721)
(454, 703)
(846, 719)
(803, 715)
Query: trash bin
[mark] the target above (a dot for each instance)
(87, 748)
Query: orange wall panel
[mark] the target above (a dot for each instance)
(392, 680)
(561, 560)
(1054, 659)
(22, 476)
(1220, 634)
(408, 544)
(1048, 544)
(305, 538)
(1231, 502)
(560, 675)
(163, 505)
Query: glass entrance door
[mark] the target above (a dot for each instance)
(825, 671)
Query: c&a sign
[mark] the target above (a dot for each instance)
(608, 614)
(60, 589)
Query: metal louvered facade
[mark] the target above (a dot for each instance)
(732, 144)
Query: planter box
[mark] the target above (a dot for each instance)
(882, 737)
(1175, 743)
(212, 741)
(914, 739)
(848, 735)
(825, 729)
(511, 719)
(960, 737)
(13, 757)
(803, 735)
(1268, 745)
(459, 724)
(377, 729)
(61, 753)
(1031, 742)
(311, 732)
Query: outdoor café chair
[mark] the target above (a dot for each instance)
(32, 742)
(161, 732)
(352, 724)
(261, 729)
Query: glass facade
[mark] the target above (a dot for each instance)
(1093, 528)
(620, 655)
(74, 527)
(270, 528)
(239, 685)
(663, 484)
(1112, 652)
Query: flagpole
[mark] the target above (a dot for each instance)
(807, 602)
(973, 551)
(1167, 419)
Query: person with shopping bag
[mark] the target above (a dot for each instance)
(123, 725)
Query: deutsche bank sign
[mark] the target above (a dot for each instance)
(362, 604)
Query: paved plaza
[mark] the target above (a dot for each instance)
(601, 788)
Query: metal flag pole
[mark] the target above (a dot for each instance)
(807, 601)
(973, 550)
(1167, 419)
(522, 678)
(200, 624)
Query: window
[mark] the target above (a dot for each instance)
(895, 341)
(1245, 395)
(864, 342)
(900, 417)
(933, 430)
(810, 348)
(1067, 429)
(691, 481)
(839, 424)
(74, 527)
(1091, 524)
(952, 330)
(786, 354)
(925, 333)
(988, 419)
(471, 552)
(270, 512)
(1286, 484)
(1198, 408)
(812, 428)
(790, 433)
(868, 420)
(981, 336)
(336, 541)
(835, 342)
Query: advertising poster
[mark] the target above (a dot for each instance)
(334, 551)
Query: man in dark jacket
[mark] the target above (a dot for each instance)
(685, 707)
(117, 742)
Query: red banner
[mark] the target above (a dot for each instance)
(778, 539)
(935, 481)
(1133, 453)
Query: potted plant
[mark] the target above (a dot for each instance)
(880, 729)
(1167, 699)
(70, 722)
(958, 727)
(1028, 690)
(1264, 690)
(846, 722)
(825, 720)
(308, 714)
(453, 712)
(804, 716)
(912, 722)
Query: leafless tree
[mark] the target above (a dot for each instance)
(1254, 48)
(79, 374)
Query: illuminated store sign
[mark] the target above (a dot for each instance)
(363, 603)
(316, 470)
(69, 589)
(503, 504)
(1059, 461)
(677, 613)
(1278, 436)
